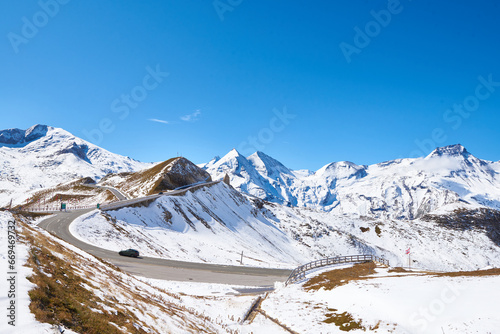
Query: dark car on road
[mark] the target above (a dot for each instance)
(129, 252)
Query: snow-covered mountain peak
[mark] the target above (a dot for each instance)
(214, 159)
(341, 170)
(18, 137)
(451, 151)
(268, 166)
(44, 156)
(233, 153)
(458, 159)
(232, 162)
(37, 131)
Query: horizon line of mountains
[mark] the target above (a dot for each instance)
(407, 188)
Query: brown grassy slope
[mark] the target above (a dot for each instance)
(476, 273)
(335, 278)
(64, 293)
(166, 175)
(483, 219)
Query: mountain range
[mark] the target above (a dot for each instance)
(449, 176)
(276, 215)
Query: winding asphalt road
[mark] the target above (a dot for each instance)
(116, 192)
(166, 269)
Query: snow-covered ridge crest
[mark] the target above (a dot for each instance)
(13, 137)
(44, 156)
(396, 189)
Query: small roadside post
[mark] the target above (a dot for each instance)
(408, 252)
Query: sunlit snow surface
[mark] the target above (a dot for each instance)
(397, 189)
(398, 303)
(215, 224)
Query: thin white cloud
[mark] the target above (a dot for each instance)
(158, 120)
(192, 117)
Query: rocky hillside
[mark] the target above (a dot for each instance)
(167, 175)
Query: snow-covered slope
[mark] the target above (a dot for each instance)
(215, 224)
(462, 240)
(390, 302)
(44, 156)
(399, 189)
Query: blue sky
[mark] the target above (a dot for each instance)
(364, 81)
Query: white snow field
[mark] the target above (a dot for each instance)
(392, 303)
(213, 224)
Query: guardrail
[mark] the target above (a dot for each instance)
(56, 208)
(299, 273)
(128, 202)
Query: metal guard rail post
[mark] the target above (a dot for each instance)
(299, 273)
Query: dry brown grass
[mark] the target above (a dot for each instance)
(477, 273)
(59, 296)
(167, 175)
(151, 173)
(398, 270)
(33, 215)
(338, 277)
(344, 321)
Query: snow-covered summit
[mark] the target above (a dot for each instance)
(450, 150)
(44, 156)
(268, 166)
(341, 170)
(19, 137)
(258, 175)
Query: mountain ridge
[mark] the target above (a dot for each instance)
(399, 189)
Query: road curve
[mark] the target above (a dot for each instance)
(128, 202)
(121, 196)
(162, 268)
